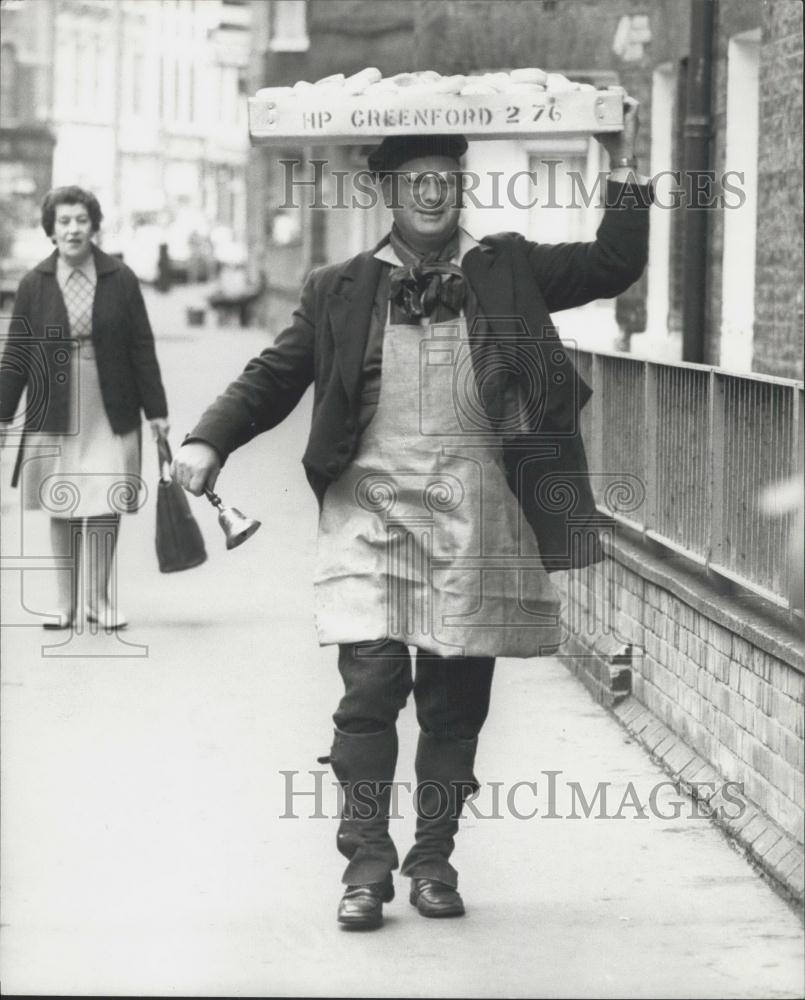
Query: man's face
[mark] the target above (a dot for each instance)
(425, 198)
(72, 232)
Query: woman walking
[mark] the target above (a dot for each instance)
(85, 401)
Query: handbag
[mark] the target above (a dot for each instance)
(179, 542)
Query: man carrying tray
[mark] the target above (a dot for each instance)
(444, 428)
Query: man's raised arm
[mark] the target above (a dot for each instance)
(573, 274)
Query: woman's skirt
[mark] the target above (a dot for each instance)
(89, 471)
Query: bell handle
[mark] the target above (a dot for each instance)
(214, 499)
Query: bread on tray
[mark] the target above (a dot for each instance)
(361, 107)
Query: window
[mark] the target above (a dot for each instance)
(65, 77)
(161, 85)
(288, 26)
(662, 134)
(8, 83)
(169, 87)
(228, 100)
(224, 181)
(137, 82)
(676, 274)
(568, 189)
(191, 92)
(177, 91)
(79, 64)
(740, 223)
(563, 173)
(97, 71)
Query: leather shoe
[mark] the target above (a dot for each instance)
(361, 906)
(435, 899)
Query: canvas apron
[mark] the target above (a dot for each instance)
(421, 540)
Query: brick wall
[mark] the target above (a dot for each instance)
(779, 257)
(713, 674)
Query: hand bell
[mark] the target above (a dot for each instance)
(235, 525)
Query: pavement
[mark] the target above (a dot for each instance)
(144, 849)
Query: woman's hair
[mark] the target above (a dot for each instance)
(70, 195)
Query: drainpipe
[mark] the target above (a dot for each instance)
(698, 131)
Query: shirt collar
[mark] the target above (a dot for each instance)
(64, 269)
(465, 244)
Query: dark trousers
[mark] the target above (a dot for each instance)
(451, 693)
(452, 702)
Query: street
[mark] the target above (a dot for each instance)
(143, 845)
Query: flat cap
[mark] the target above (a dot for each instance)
(395, 150)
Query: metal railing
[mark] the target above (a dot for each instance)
(701, 444)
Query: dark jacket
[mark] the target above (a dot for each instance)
(35, 357)
(517, 284)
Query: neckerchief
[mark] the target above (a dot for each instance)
(427, 284)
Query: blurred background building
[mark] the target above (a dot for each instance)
(143, 102)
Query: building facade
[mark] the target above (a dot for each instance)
(752, 258)
(295, 40)
(26, 134)
(145, 102)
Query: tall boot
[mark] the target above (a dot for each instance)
(66, 540)
(101, 580)
(364, 764)
(445, 778)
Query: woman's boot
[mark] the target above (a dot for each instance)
(101, 581)
(66, 540)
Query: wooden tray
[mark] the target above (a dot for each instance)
(333, 118)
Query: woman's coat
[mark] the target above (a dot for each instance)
(37, 355)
